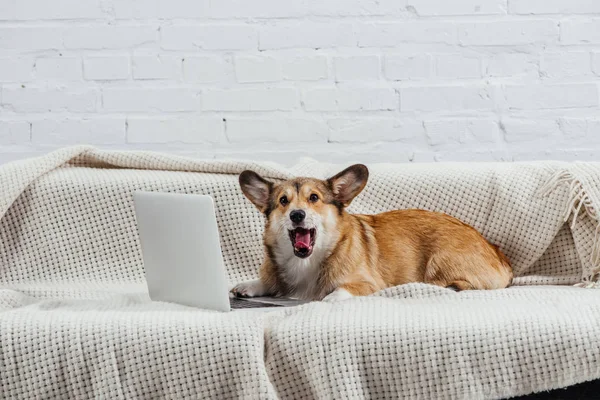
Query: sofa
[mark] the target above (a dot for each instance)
(76, 320)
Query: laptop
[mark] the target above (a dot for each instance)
(183, 263)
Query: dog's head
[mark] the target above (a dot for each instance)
(304, 210)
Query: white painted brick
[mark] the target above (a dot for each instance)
(532, 97)
(350, 99)
(504, 33)
(511, 65)
(580, 31)
(106, 68)
(30, 38)
(16, 69)
(273, 130)
(446, 98)
(402, 68)
(47, 10)
(181, 130)
(596, 63)
(458, 7)
(305, 68)
(269, 99)
(207, 69)
(352, 68)
(279, 9)
(58, 68)
(76, 131)
(369, 130)
(565, 64)
(209, 37)
(448, 131)
(14, 132)
(553, 6)
(522, 130)
(156, 66)
(391, 34)
(580, 128)
(109, 37)
(27, 99)
(160, 9)
(457, 66)
(306, 34)
(257, 69)
(150, 99)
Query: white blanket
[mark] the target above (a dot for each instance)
(68, 232)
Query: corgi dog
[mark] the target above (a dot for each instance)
(316, 250)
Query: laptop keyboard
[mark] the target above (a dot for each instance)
(237, 303)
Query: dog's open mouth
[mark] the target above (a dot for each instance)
(303, 241)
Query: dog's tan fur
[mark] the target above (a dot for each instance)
(361, 254)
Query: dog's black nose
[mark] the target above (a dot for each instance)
(297, 216)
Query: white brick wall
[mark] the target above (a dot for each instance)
(341, 81)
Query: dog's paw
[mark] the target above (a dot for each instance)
(253, 288)
(338, 295)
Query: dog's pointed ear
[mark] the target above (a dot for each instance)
(256, 189)
(349, 183)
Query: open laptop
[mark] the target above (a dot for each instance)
(182, 255)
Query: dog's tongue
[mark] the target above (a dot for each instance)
(302, 238)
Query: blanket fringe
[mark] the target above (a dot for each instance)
(578, 199)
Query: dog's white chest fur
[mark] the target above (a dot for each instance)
(301, 275)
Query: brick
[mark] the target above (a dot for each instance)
(511, 65)
(361, 68)
(150, 99)
(350, 99)
(458, 7)
(457, 66)
(209, 37)
(403, 68)
(30, 38)
(106, 68)
(565, 64)
(16, 69)
(31, 10)
(270, 99)
(109, 37)
(504, 33)
(580, 128)
(77, 131)
(580, 31)
(249, 69)
(446, 98)
(275, 130)
(58, 68)
(207, 69)
(392, 34)
(157, 66)
(532, 97)
(306, 34)
(369, 130)
(49, 100)
(596, 63)
(279, 9)
(553, 7)
(14, 132)
(305, 68)
(169, 130)
(522, 130)
(160, 9)
(442, 132)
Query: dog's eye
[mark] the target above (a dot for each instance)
(283, 200)
(313, 198)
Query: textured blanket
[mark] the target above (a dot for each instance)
(76, 321)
